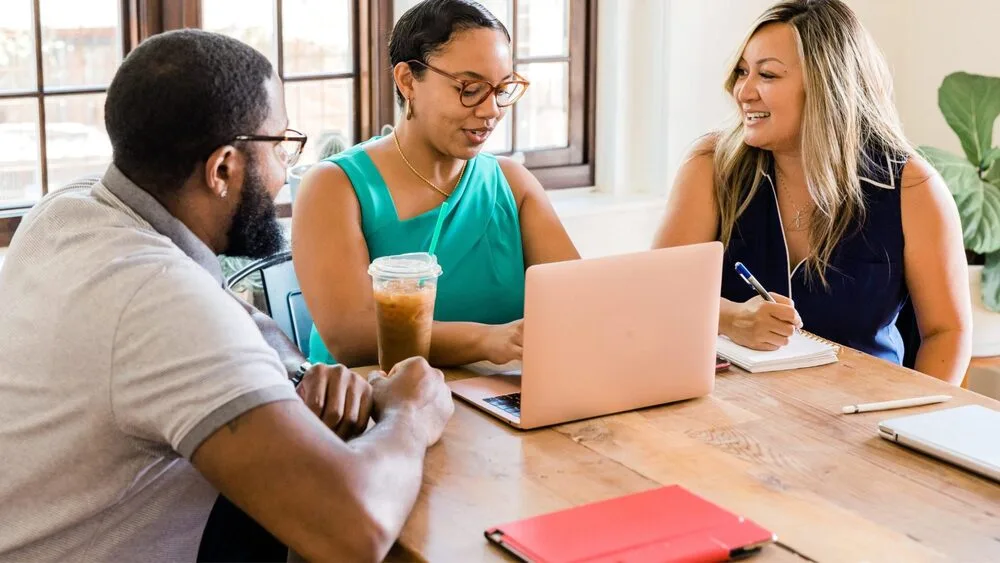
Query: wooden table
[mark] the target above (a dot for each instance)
(773, 447)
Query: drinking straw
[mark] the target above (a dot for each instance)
(437, 228)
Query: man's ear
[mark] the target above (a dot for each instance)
(223, 170)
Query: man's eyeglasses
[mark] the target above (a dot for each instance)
(288, 148)
(475, 92)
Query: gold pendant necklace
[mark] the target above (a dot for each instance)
(421, 176)
(797, 220)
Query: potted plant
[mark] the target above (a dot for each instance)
(330, 143)
(251, 289)
(970, 104)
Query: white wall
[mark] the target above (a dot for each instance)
(703, 37)
(940, 37)
(633, 73)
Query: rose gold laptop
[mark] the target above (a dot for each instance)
(609, 334)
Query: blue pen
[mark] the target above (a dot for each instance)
(752, 282)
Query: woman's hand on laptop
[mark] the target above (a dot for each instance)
(760, 324)
(504, 343)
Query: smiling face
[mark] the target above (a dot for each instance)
(769, 88)
(452, 128)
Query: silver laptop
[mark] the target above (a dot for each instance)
(965, 436)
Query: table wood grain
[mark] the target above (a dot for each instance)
(772, 447)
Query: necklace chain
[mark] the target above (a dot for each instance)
(421, 176)
(797, 220)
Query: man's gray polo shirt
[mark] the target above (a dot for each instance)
(120, 353)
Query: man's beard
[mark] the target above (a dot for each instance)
(255, 232)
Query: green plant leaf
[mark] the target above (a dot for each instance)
(232, 264)
(990, 157)
(970, 104)
(992, 167)
(978, 201)
(991, 282)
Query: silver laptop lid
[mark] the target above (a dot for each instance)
(966, 436)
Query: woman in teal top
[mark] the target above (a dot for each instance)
(454, 74)
(479, 248)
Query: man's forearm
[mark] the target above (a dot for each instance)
(324, 499)
(392, 453)
(390, 460)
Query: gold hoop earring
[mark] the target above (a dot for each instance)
(408, 110)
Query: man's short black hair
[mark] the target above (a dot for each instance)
(179, 96)
(428, 26)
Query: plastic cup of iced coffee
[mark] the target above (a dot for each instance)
(405, 287)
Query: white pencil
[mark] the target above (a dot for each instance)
(897, 404)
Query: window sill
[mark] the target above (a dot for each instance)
(581, 202)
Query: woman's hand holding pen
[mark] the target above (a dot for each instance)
(760, 324)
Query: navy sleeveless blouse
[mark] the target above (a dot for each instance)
(866, 284)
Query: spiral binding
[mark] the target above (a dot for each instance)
(821, 340)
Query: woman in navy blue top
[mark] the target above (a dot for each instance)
(816, 190)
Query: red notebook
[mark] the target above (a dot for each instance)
(665, 524)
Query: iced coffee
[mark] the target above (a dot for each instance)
(405, 287)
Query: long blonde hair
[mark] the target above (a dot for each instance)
(848, 107)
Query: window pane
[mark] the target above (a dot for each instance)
(317, 36)
(499, 141)
(250, 21)
(75, 138)
(81, 42)
(17, 48)
(501, 9)
(543, 113)
(320, 108)
(20, 177)
(542, 28)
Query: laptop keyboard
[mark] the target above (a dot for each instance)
(508, 403)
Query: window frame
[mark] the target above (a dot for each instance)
(187, 13)
(131, 22)
(570, 166)
(374, 102)
(556, 168)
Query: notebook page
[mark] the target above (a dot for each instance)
(799, 347)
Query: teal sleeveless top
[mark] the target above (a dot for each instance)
(479, 248)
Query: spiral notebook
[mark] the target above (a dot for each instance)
(804, 350)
